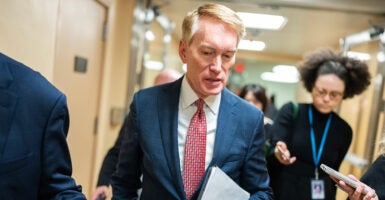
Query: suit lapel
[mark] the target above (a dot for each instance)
(226, 128)
(168, 104)
(7, 105)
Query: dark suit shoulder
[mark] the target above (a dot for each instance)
(29, 86)
(240, 104)
(29, 81)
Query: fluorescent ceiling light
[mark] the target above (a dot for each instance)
(289, 70)
(262, 21)
(251, 45)
(155, 65)
(359, 55)
(282, 74)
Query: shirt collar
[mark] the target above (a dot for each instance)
(188, 97)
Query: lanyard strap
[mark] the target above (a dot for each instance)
(317, 157)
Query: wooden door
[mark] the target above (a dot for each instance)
(79, 42)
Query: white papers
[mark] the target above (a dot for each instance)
(218, 185)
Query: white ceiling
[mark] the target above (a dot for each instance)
(311, 23)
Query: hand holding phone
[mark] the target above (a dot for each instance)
(352, 183)
(283, 153)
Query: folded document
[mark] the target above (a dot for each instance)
(218, 185)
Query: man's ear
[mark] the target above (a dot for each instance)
(182, 51)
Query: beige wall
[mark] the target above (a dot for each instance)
(27, 30)
(114, 87)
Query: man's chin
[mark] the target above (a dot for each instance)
(213, 92)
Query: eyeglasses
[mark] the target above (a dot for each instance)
(333, 95)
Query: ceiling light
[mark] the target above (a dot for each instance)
(358, 55)
(155, 65)
(262, 21)
(282, 74)
(251, 45)
(289, 70)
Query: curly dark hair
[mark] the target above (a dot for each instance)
(354, 73)
(258, 91)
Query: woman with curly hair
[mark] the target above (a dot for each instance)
(306, 135)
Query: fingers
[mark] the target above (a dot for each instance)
(292, 159)
(362, 192)
(356, 194)
(369, 193)
(101, 191)
(283, 154)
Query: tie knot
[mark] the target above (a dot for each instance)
(200, 104)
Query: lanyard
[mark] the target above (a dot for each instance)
(317, 157)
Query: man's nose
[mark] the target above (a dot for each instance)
(216, 64)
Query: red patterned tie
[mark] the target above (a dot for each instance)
(195, 151)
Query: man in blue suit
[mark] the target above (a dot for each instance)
(34, 157)
(159, 118)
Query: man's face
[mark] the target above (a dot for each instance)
(209, 57)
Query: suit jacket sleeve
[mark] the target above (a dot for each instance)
(111, 159)
(56, 181)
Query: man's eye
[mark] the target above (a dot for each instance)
(207, 53)
(228, 56)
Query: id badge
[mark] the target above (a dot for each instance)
(317, 189)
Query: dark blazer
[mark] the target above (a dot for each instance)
(111, 159)
(375, 177)
(34, 157)
(150, 146)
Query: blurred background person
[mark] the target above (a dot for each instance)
(167, 75)
(316, 134)
(111, 159)
(35, 161)
(255, 94)
(271, 109)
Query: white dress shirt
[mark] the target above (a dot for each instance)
(187, 108)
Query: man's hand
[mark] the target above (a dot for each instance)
(101, 192)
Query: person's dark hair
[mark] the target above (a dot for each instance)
(258, 91)
(354, 73)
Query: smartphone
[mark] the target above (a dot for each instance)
(340, 176)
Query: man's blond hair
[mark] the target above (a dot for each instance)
(216, 11)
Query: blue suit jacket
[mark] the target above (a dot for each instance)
(150, 146)
(34, 158)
